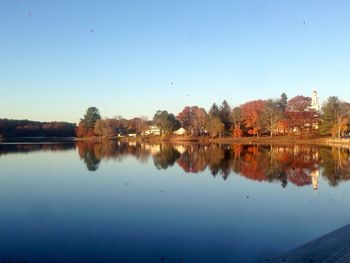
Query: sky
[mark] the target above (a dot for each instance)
(134, 57)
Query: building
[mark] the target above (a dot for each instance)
(180, 131)
(315, 104)
(155, 130)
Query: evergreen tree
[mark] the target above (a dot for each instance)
(91, 116)
(214, 110)
(329, 114)
(225, 115)
(283, 102)
(167, 122)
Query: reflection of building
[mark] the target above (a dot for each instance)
(132, 143)
(180, 148)
(153, 148)
(314, 178)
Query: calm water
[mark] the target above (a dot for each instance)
(98, 202)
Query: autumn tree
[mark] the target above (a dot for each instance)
(236, 121)
(143, 124)
(301, 118)
(342, 120)
(186, 118)
(81, 130)
(193, 119)
(270, 116)
(104, 128)
(201, 118)
(135, 125)
(335, 117)
(215, 126)
(251, 113)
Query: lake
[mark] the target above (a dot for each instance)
(130, 202)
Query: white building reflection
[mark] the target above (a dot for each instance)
(314, 179)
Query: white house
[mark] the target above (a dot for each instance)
(180, 131)
(153, 130)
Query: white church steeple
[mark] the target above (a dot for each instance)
(315, 105)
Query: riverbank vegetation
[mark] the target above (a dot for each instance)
(295, 118)
(279, 118)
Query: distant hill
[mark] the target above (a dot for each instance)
(27, 128)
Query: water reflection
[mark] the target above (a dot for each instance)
(142, 210)
(11, 148)
(296, 164)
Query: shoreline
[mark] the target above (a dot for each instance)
(316, 140)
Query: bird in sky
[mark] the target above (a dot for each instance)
(171, 83)
(304, 22)
(29, 13)
(92, 30)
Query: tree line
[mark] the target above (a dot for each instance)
(26, 128)
(269, 117)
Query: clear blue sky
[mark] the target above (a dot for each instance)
(52, 67)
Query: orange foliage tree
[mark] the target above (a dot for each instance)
(251, 112)
(237, 132)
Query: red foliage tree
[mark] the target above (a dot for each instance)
(300, 117)
(193, 118)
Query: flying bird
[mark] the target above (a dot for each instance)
(304, 22)
(92, 30)
(29, 13)
(171, 83)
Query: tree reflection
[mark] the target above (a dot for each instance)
(11, 148)
(298, 165)
(90, 153)
(336, 164)
(165, 157)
